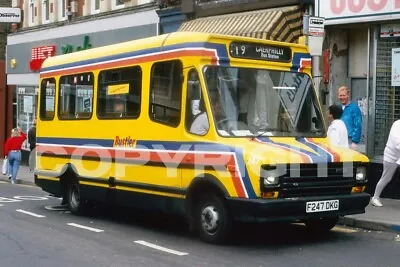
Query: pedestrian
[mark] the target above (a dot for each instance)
(32, 145)
(337, 131)
(12, 152)
(351, 117)
(391, 161)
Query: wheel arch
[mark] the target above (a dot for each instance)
(198, 186)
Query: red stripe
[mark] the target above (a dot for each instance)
(336, 156)
(236, 181)
(219, 160)
(130, 61)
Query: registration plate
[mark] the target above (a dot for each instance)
(325, 205)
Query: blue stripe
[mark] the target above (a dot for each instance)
(75, 141)
(320, 151)
(222, 54)
(245, 175)
(296, 60)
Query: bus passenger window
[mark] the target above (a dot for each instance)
(119, 93)
(76, 96)
(166, 92)
(47, 95)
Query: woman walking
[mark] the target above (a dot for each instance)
(13, 152)
(391, 161)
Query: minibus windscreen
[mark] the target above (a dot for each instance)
(259, 102)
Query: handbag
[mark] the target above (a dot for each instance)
(5, 167)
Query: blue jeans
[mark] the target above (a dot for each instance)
(14, 159)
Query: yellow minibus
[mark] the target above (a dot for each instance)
(216, 128)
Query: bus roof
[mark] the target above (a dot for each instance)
(183, 40)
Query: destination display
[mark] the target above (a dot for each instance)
(260, 52)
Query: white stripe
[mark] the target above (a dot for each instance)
(277, 145)
(147, 244)
(86, 227)
(133, 57)
(326, 151)
(1, 205)
(31, 213)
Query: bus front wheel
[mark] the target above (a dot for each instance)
(75, 202)
(213, 219)
(321, 225)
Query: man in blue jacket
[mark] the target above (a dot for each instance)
(351, 117)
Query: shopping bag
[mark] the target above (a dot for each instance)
(5, 167)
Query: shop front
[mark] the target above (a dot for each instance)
(26, 51)
(362, 50)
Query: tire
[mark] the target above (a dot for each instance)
(74, 199)
(321, 225)
(213, 220)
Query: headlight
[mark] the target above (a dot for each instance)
(361, 174)
(271, 180)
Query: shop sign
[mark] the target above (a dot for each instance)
(69, 48)
(390, 30)
(39, 54)
(352, 11)
(10, 14)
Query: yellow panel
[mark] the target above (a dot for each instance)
(118, 89)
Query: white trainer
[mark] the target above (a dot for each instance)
(376, 202)
(12, 182)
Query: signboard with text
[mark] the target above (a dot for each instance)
(260, 52)
(39, 54)
(293, 92)
(10, 14)
(353, 11)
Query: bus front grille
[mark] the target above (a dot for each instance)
(304, 180)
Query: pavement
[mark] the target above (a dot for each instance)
(386, 218)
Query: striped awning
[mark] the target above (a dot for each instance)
(279, 24)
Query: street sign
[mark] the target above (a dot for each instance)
(10, 14)
(316, 26)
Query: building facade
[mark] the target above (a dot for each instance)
(53, 27)
(362, 50)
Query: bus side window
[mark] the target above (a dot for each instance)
(166, 92)
(119, 93)
(76, 96)
(47, 96)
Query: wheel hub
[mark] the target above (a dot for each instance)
(210, 219)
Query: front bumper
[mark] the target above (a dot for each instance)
(294, 209)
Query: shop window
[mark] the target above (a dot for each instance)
(45, 11)
(119, 93)
(76, 96)
(166, 92)
(47, 96)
